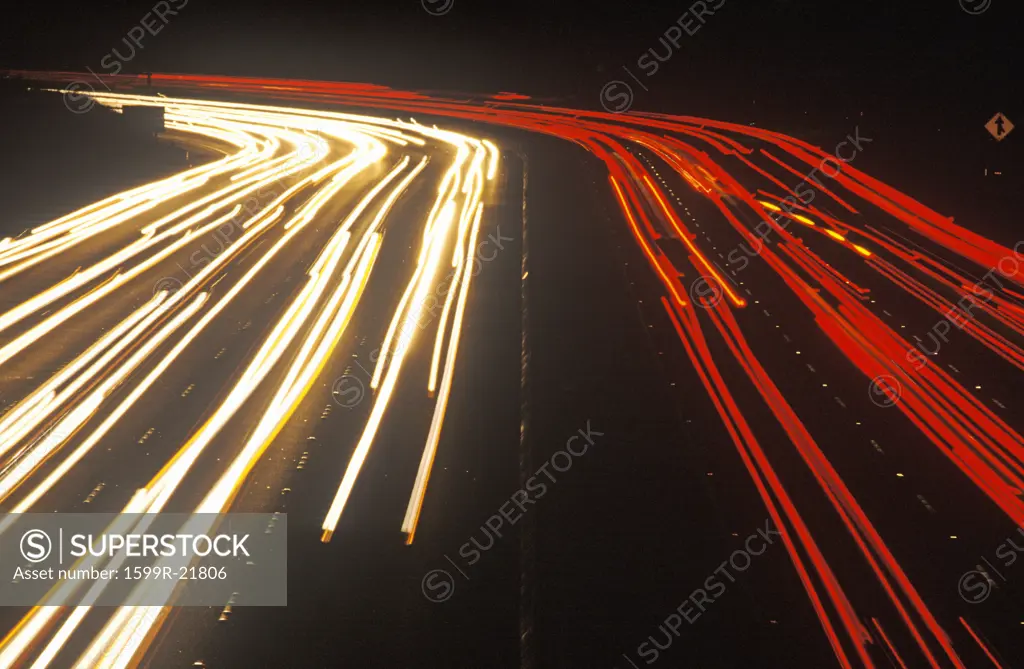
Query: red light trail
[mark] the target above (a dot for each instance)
(715, 158)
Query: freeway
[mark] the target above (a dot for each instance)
(181, 274)
(850, 354)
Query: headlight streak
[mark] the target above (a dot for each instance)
(412, 513)
(462, 254)
(12, 431)
(149, 239)
(118, 203)
(383, 397)
(492, 167)
(312, 325)
(416, 291)
(958, 423)
(135, 621)
(10, 480)
(307, 365)
(444, 207)
(82, 278)
(446, 215)
(89, 221)
(119, 279)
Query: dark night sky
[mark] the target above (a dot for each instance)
(811, 54)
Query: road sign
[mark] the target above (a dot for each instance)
(999, 126)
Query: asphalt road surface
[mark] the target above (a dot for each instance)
(701, 395)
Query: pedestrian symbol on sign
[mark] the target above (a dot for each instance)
(999, 126)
